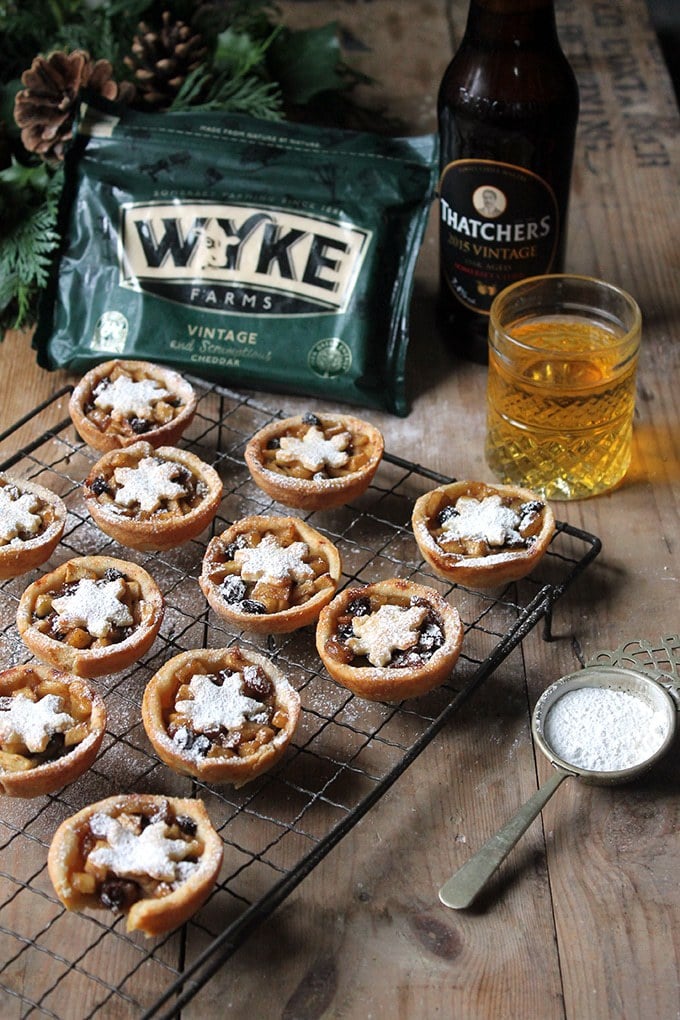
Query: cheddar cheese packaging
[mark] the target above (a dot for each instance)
(258, 254)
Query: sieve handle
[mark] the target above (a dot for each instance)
(466, 883)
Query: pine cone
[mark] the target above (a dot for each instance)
(161, 60)
(46, 107)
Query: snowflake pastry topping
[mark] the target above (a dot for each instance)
(127, 397)
(314, 451)
(391, 628)
(128, 853)
(18, 515)
(148, 484)
(274, 562)
(97, 606)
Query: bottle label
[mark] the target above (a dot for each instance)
(498, 223)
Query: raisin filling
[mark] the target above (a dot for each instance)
(430, 636)
(115, 887)
(457, 530)
(251, 699)
(188, 491)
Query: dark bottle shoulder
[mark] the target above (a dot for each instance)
(506, 77)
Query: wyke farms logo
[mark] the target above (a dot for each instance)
(240, 259)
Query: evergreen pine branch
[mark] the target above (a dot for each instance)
(246, 94)
(234, 80)
(27, 242)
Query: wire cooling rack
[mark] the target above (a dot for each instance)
(346, 753)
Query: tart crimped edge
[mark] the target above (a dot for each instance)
(156, 533)
(236, 771)
(59, 772)
(166, 434)
(150, 916)
(479, 571)
(90, 663)
(375, 683)
(287, 620)
(308, 494)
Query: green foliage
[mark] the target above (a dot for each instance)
(28, 210)
(234, 80)
(29, 27)
(307, 62)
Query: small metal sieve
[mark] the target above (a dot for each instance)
(652, 689)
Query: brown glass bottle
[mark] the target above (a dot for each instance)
(507, 110)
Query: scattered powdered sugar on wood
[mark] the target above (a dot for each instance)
(12, 648)
(604, 730)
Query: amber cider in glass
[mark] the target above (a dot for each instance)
(563, 354)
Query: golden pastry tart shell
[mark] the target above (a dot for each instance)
(56, 773)
(91, 662)
(159, 698)
(489, 571)
(165, 434)
(150, 916)
(391, 683)
(162, 530)
(286, 620)
(310, 493)
(22, 556)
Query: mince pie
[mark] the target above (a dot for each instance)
(120, 402)
(51, 728)
(315, 461)
(482, 535)
(32, 522)
(153, 858)
(224, 715)
(150, 498)
(270, 574)
(92, 615)
(390, 640)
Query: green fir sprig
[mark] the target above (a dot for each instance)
(28, 212)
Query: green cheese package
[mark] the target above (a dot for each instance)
(258, 254)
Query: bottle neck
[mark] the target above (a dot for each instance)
(510, 23)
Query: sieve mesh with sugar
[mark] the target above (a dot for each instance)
(636, 725)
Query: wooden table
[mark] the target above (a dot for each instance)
(583, 919)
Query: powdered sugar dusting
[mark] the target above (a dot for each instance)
(18, 514)
(219, 705)
(126, 396)
(604, 730)
(274, 562)
(147, 484)
(314, 451)
(378, 635)
(488, 520)
(95, 605)
(129, 854)
(33, 723)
